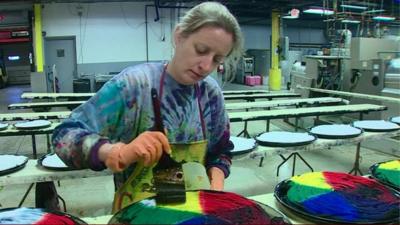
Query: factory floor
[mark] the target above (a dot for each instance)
(88, 197)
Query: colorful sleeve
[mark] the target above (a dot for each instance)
(219, 153)
(77, 140)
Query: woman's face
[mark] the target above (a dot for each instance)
(199, 54)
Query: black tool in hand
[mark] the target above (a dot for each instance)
(167, 174)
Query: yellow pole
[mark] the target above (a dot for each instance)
(274, 72)
(38, 39)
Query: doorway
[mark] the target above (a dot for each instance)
(60, 52)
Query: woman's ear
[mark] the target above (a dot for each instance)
(177, 36)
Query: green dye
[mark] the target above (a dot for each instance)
(298, 193)
(389, 176)
(141, 214)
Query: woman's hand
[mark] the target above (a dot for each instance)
(147, 147)
(217, 178)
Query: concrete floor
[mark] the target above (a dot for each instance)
(93, 196)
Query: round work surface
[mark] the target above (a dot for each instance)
(11, 163)
(335, 131)
(242, 145)
(376, 125)
(53, 162)
(284, 139)
(36, 216)
(34, 124)
(334, 197)
(395, 119)
(201, 207)
(3, 126)
(387, 173)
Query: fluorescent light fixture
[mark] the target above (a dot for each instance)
(292, 14)
(13, 57)
(354, 7)
(290, 17)
(319, 11)
(374, 11)
(384, 18)
(350, 21)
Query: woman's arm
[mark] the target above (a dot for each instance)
(93, 124)
(218, 159)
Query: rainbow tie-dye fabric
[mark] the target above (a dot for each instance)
(201, 207)
(339, 197)
(387, 173)
(36, 216)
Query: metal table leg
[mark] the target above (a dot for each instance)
(25, 195)
(31, 185)
(260, 164)
(34, 146)
(294, 162)
(244, 131)
(356, 167)
(267, 128)
(48, 143)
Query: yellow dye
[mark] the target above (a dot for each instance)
(315, 179)
(192, 204)
(392, 165)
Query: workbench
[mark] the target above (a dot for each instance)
(252, 97)
(13, 131)
(298, 102)
(300, 112)
(34, 115)
(45, 105)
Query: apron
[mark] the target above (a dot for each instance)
(140, 184)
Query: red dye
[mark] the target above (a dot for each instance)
(232, 208)
(343, 182)
(53, 219)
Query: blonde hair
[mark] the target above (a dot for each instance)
(217, 15)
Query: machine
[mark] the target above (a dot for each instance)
(319, 71)
(245, 67)
(374, 70)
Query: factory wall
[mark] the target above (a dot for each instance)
(257, 37)
(110, 36)
(110, 33)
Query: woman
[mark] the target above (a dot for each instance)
(112, 129)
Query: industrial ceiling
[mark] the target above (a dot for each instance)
(258, 12)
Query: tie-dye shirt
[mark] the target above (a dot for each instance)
(122, 109)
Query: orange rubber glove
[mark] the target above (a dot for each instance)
(147, 147)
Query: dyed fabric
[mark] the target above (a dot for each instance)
(36, 216)
(122, 109)
(201, 207)
(340, 197)
(387, 172)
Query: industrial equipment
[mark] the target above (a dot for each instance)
(320, 71)
(372, 72)
(245, 68)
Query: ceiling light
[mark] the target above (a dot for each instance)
(350, 21)
(384, 18)
(354, 7)
(319, 11)
(374, 11)
(290, 17)
(292, 14)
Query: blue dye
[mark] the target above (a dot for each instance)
(351, 207)
(331, 205)
(204, 220)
